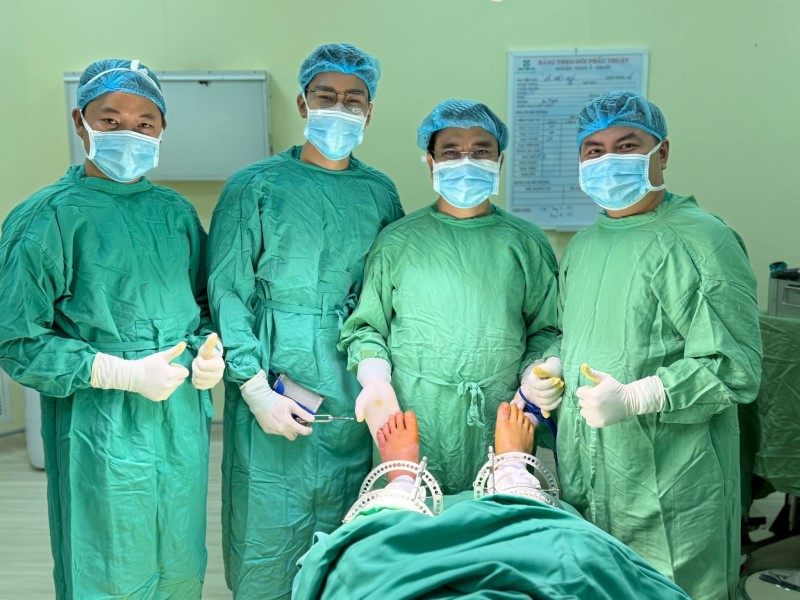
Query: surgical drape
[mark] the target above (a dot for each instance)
(499, 547)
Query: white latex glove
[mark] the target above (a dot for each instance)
(543, 385)
(377, 400)
(154, 377)
(520, 404)
(208, 365)
(610, 401)
(274, 412)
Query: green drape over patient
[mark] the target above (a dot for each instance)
(500, 547)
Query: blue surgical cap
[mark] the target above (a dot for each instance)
(341, 58)
(621, 109)
(117, 75)
(463, 114)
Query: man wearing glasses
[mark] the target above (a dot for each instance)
(459, 299)
(286, 261)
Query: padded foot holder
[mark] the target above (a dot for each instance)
(484, 482)
(425, 485)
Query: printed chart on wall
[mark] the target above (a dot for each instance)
(547, 90)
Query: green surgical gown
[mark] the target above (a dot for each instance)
(90, 265)
(459, 307)
(496, 548)
(667, 293)
(287, 248)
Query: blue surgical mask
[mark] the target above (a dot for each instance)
(334, 132)
(123, 156)
(466, 183)
(618, 181)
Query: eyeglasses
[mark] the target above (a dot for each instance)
(353, 101)
(479, 154)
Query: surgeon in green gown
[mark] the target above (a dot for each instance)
(103, 308)
(287, 248)
(658, 299)
(459, 299)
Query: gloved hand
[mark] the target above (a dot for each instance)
(543, 385)
(610, 401)
(519, 402)
(377, 400)
(154, 377)
(208, 365)
(274, 412)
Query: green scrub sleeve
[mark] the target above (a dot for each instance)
(234, 246)
(366, 331)
(199, 279)
(718, 320)
(555, 347)
(34, 352)
(540, 309)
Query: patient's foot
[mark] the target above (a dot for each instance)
(399, 440)
(514, 431)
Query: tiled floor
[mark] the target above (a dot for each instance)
(26, 563)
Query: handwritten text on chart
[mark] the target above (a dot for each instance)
(547, 93)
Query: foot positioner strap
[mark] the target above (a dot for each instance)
(424, 485)
(485, 481)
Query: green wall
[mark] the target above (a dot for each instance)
(724, 73)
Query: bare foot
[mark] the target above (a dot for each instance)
(399, 440)
(514, 432)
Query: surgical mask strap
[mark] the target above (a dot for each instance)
(487, 165)
(654, 150)
(122, 155)
(653, 188)
(92, 133)
(343, 114)
(614, 156)
(618, 181)
(124, 131)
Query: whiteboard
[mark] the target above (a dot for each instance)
(217, 123)
(547, 90)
